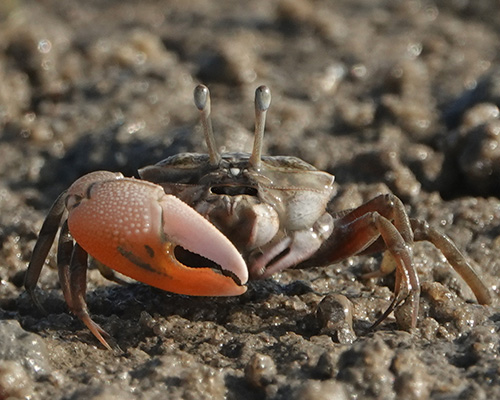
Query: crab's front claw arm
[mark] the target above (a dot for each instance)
(133, 227)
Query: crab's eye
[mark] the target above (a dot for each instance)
(231, 190)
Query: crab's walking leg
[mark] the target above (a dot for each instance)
(423, 232)
(417, 230)
(108, 273)
(72, 270)
(78, 289)
(359, 234)
(351, 237)
(380, 224)
(392, 208)
(43, 245)
(64, 254)
(388, 206)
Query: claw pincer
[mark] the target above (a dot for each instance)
(133, 227)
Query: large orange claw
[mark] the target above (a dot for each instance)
(133, 227)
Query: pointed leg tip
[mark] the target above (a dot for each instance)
(103, 342)
(96, 330)
(36, 302)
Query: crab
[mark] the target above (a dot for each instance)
(203, 224)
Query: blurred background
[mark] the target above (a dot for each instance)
(399, 96)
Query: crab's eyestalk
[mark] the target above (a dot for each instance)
(202, 102)
(262, 103)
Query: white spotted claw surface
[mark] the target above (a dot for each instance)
(132, 226)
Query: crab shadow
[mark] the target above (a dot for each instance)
(126, 312)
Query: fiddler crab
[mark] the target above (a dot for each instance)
(203, 224)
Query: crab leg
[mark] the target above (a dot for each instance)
(388, 206)
(423, 231)
(42, 247)
(356, 236)
(417, 230)
(64, 253)
(397, 232)
(78, 289)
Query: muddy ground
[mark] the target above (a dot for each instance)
(398, 96)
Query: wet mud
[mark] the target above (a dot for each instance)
(388, 96)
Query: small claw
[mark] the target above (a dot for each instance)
(96, 329)
(36, 301)
(133, 227)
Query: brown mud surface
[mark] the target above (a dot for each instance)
(398, 96)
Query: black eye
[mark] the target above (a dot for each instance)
(234, 190)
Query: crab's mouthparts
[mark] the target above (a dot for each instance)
(193, 260)
(234, 190)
